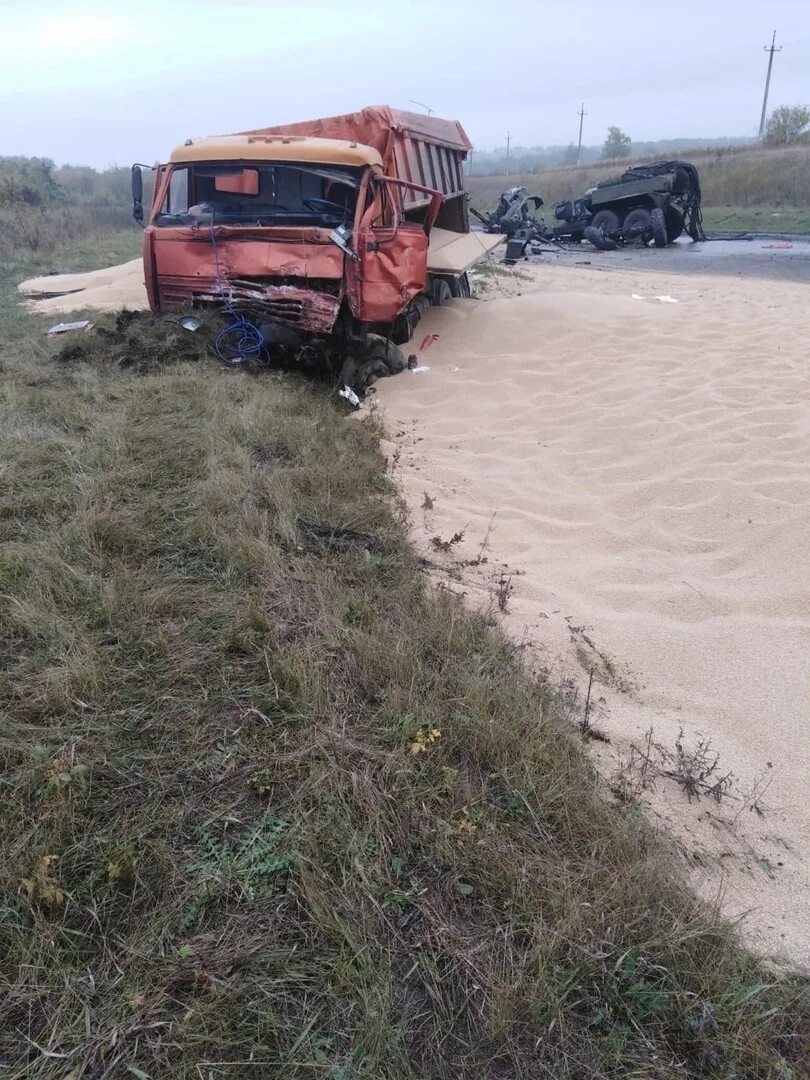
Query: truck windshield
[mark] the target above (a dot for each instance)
(260, 194)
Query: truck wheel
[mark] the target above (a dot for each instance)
(376, 360)
(598, 239)
(406, 324)
(674, 220)
(659, 227)
(440, 292)
(382, 358)
(636, 224)
(608, 222)
(460, 287)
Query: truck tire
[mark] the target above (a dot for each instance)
(440, 292)
(659, 227)
(608, 222)
(598, 239)
(637, 225)
(407, 322)
(379, 359)
(674, 220)
(460, 287)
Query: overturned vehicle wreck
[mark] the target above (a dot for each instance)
(648, 204)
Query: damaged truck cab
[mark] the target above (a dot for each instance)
(313, 229)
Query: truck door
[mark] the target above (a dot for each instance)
(392, 252)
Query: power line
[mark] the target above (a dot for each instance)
(582, 115)
(771, 50)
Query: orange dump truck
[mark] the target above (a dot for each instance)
(344, 227)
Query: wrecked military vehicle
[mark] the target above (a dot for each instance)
(652, 203)
(512, 213)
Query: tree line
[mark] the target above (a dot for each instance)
(37, 182)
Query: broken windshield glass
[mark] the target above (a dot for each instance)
(264, 194)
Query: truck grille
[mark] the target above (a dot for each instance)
(292, 305)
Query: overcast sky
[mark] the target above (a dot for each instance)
(107, 83)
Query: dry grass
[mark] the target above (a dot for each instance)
(27, 231)
(274, 807)
(739, 177)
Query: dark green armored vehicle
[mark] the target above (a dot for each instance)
(651, 203)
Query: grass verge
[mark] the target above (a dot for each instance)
(272, 806)
(765, 219)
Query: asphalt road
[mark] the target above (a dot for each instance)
(785, 258)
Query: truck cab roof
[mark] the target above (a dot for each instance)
(260, 147)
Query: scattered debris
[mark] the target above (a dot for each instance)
(349, 395)
(68, 327)
(513, 214)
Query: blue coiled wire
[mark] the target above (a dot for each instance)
(238, 341)
(241, 339)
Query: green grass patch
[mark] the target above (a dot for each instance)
(766, 219)
(273, 806)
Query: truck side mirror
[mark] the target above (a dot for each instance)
(137, 194)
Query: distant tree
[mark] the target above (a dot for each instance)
(570, 155)
(76, 180)
(617, 144)
(785, 125)
(27, 180)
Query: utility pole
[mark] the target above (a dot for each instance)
(508, 140)
(582, 115)
(771, 50)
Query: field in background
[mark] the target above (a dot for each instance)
(743, 188)
(270, 803)
(56, 236)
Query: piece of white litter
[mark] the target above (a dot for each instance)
(66, 327)
(349, 395)
(667, 299)
(422, 367)
(455, 369)
(635, 296)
